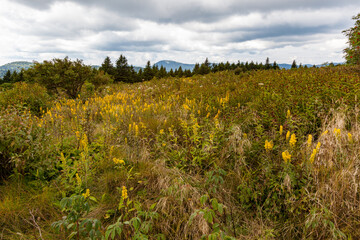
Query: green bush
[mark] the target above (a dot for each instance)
(26, 96)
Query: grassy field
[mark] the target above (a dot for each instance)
(261, 155)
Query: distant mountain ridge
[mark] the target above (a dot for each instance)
(168, 65)
(14, 66)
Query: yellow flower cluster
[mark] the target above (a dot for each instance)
(78, 179)
(269, 145)
(337, 132)
(350, 138)
(124, 194)
(324, 133)
(118, 161)
(292, 140)
(281, 130)
(286, 156)
(87, 193)
(315, 151)
(309, 141)
(287, 135)
(288, 114)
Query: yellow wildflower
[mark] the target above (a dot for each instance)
(324, 133)
(287, 135)
(318, 146)
(286, 156)
(292, 140)
(124, 194)
(118, 161)
(281, 130)
(268, 145)
(161, 131)
(245, 135)
(312, 157)
(309, 141)
(78, 179)
(87, 193)
(337, 132)
(350, 138)
(288, 114)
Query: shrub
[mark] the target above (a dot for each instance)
(26, 96)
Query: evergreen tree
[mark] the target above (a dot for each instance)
(14, 77)
(107, 66)
(148, 72)
(275, 66)
(122, 70)
(155, 70)
(293, 65)
(180, 72)
(196, 69)
(162, 72)
(267, 64)
(7, 77)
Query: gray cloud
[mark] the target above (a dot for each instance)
(189, 10)
(186, 30)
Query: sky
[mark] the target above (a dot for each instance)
(188, 31)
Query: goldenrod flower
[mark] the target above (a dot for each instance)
(287, 135)
(161, 131)
(350, 138)
(337, 132)
(312, 157)
(87, 193)
(118, 161)
(324, 133)
(268, 145)
(292, 140)
(286, 156)
(309, 141)
(78, 179)
(245, 135)
(318, 146)
(124, 194)
(288, 114)
(281, 130)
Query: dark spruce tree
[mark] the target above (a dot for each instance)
(7, 77)
(122, 70)
(148, 72)
(293, 65)
(267, 64)
(107, 67)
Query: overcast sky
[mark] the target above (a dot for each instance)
(309, 31)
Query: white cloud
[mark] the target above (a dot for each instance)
(187, 31)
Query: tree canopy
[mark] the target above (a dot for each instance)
(352, 52)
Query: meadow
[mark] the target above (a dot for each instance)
(269, 154)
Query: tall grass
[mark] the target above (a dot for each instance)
(206, 150)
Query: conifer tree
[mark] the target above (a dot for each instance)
(107, 66)
(148, 72)
(293, 65)
(122, 70)
(7, 77)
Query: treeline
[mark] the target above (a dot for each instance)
(68, 77)
(122, 72)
